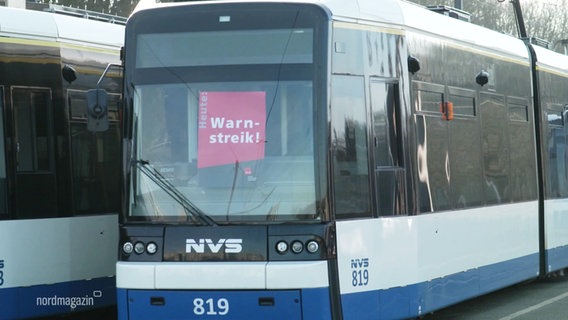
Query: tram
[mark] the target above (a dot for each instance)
(326, 159)
(59, 185)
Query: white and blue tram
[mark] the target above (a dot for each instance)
(59, 185)
(334, 160)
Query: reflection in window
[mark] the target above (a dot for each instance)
(518, 112)
(463, 105)
(555, 119)
(3, 181)
(495, 148)
(385, 124)
(95, 158)
(389, 170)
(33, 130)
(557, 155)
(429, 101)
(96, 169)
(349, 143)
(78, 105)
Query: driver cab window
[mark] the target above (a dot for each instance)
(350, 148)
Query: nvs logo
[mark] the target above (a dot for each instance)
(199, 246)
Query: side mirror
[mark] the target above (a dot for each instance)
(97, 110)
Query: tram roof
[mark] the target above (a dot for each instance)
(404, 15)
(15, 23)
(411, 16)
(553, 61)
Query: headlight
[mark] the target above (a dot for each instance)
(312, 246)
(297, 246)
(127, 247)
(151, 248)
(281, 247)
(139, 247)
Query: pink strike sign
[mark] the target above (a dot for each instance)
(231, 127)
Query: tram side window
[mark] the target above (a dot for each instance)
(3, 178)
(35, 193)
(518, 112)
(466, 181)
(448, 149)
(557, 179)
(95, 158)
(429, 101)
(432, 148)
(32, 117)
(495, 148)
(389, 171)
(522, 161)
(350, 149)
(462, 105)
(385, 124)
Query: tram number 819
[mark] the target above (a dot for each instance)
(210, 306)
(360, 277)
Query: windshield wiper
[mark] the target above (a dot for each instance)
(173, 192)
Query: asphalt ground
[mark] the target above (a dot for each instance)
(540, 299)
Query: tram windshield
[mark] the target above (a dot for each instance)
(234, 150)
(223, 126)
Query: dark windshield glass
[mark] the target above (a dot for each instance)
(224, 48)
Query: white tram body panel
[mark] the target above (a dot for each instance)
(222, 275)
(556, 224)
(421, 255)
(57, 250)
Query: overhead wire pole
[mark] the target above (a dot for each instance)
(520, 20)
(519, 17)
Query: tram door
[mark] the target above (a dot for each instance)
(389, 167)
(35, 185)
